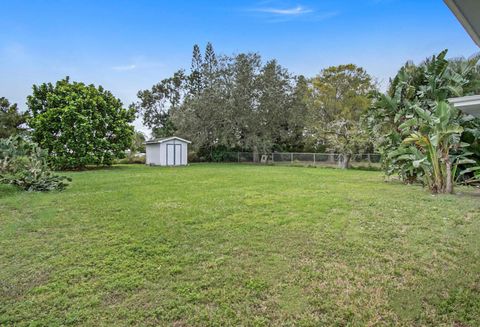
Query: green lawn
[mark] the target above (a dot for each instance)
(238, 245)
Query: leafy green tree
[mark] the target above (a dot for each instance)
(346, 137)
(231, 102)
(297, 116)
(155, 104)
(200, 115)
(245, 69)
(275, 116)
(166, 128)
(138, 142)
(204, 113)
(79, 124)
(340, 96)
(11, 120)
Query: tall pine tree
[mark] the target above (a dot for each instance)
(195, 77)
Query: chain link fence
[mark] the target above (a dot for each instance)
(297, 158)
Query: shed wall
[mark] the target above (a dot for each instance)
(157, 153)
(152, 152)
(184, 153)
(163, 157)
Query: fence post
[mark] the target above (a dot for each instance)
(368, 158)
(238, 157)
(291, 158)
(314, 158)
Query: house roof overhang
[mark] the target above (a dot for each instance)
(467, 104)
(468, 14)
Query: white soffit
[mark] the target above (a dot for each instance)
(468, 104)
(468, 14)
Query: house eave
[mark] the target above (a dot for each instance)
(468, 104)
(462, 9)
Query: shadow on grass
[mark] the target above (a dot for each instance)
(96, 168)
(472, 192)
(8, 190)
(366, 168)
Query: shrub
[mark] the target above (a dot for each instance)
(24, 164)
(193, 156)
(131, 159)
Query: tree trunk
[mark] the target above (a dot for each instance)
(255, 154)
(448, 177)
(331, 158)
(344, 161)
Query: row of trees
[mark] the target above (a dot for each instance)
(240, 103)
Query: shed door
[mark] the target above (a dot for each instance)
(178, 154)
(170, 154)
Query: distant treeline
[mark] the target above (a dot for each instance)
(225, 103)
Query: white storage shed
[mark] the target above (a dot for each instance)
(170, 151)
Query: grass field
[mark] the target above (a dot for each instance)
(224, 245)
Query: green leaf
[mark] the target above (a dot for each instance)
(409, 123)
(417, 163)
(466, 161)
(422, 113)
(469, 170)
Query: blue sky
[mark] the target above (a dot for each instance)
(128, 45)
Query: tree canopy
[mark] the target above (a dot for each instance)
(340, 96)
(12, 121)
(242, 103)
(79, 124)
(229, 102)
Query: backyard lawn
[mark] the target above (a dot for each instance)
(232, 244)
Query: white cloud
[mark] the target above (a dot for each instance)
(138, 63)
(124, 67)
(295, 11)
(275, 14)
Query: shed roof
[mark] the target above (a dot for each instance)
(165, 139)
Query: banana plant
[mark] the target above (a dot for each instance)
(436, 135)
(411, 106)
(406, 161)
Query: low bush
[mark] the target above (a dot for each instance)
(131, 159)
(24, 164)
(193, 156)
